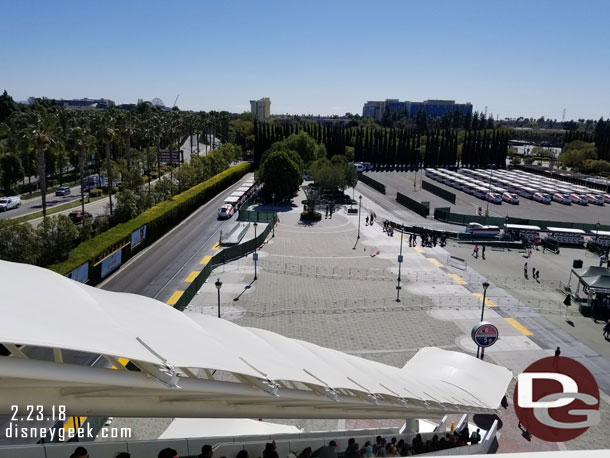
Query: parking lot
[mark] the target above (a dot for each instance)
(468, 204)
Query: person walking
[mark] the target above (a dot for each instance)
(538, 275)
(483, 253)
(533, 273)
(557, 352)
(607, 330)
(326, 215)
(525, 270)
(366, 221)
(475, 251)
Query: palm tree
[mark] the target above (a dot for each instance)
(106, 133)
(39, 128)
(81, 141)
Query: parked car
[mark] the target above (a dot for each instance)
(78, 216)
(580, 200)
(62, 191)
(226, 211)
(542, 198)
(7, 203)
(562, 198)
(510, 197)
(607, 198)
(595, 199)
(493, 197)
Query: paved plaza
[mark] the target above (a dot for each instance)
(313, 285)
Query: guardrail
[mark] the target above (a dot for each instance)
(222, 257)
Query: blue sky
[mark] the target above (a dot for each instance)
(516, 57)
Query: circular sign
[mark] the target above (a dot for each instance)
(557, 399)
(484, 334)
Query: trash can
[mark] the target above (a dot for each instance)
(577, 264)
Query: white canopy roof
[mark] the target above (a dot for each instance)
(43, 309)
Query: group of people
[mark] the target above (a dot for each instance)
(604, 258)
(329, 211)
(380, 448)
(388, 229)
(428, 240)
(370, 219)
(535, 273)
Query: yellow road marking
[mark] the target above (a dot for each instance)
(123, 361)
(435, 262)
(418, 249)
(522, 329)
(192, 276)
(71, 423)
(458, 279)
(206, 259)
(172, 300)
(217, 246)
(488, 301)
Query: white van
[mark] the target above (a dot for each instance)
(359, 167)
(7, 203)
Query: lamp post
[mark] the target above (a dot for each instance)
(491, 171)
(255, 256)
(359, 212)
(596, 232)
(218, 286)
(485, 286)
(402, 233)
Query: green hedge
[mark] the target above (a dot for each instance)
(160, 220)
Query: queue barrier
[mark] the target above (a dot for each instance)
(372, 183)
(418, 207)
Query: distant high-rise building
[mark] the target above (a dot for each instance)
(433, 108)
(261, 108)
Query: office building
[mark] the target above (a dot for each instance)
(433, 108)
(261, 108)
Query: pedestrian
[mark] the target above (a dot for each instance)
(538, 275)
(504, 402)
(529, 253)
(366, 221)
(525, 270)
(557, 352)
(331, 212)
(326, 215)
(475, 251)
(607, 330)
(483, 252)
(533, 273)
(602, 260)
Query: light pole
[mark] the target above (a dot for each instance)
(359, 212)
(218, 286)
(402, 234)
(491, 171)
(596, 232)
(255, 253)
(274, 218)
(485, 286)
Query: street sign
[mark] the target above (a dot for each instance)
(484, 334)
(255, 256)
(400, 258)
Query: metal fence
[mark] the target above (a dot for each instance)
(407, 303)
(361, 274)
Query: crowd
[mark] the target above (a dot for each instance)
(380, 448)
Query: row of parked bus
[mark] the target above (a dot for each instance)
(236, 199)
(535, 234)
(541, 189)
(474, 186)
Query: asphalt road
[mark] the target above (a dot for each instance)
(151, 272)
(35, 204)
(467, 204)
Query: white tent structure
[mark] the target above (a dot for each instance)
(212, 368)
